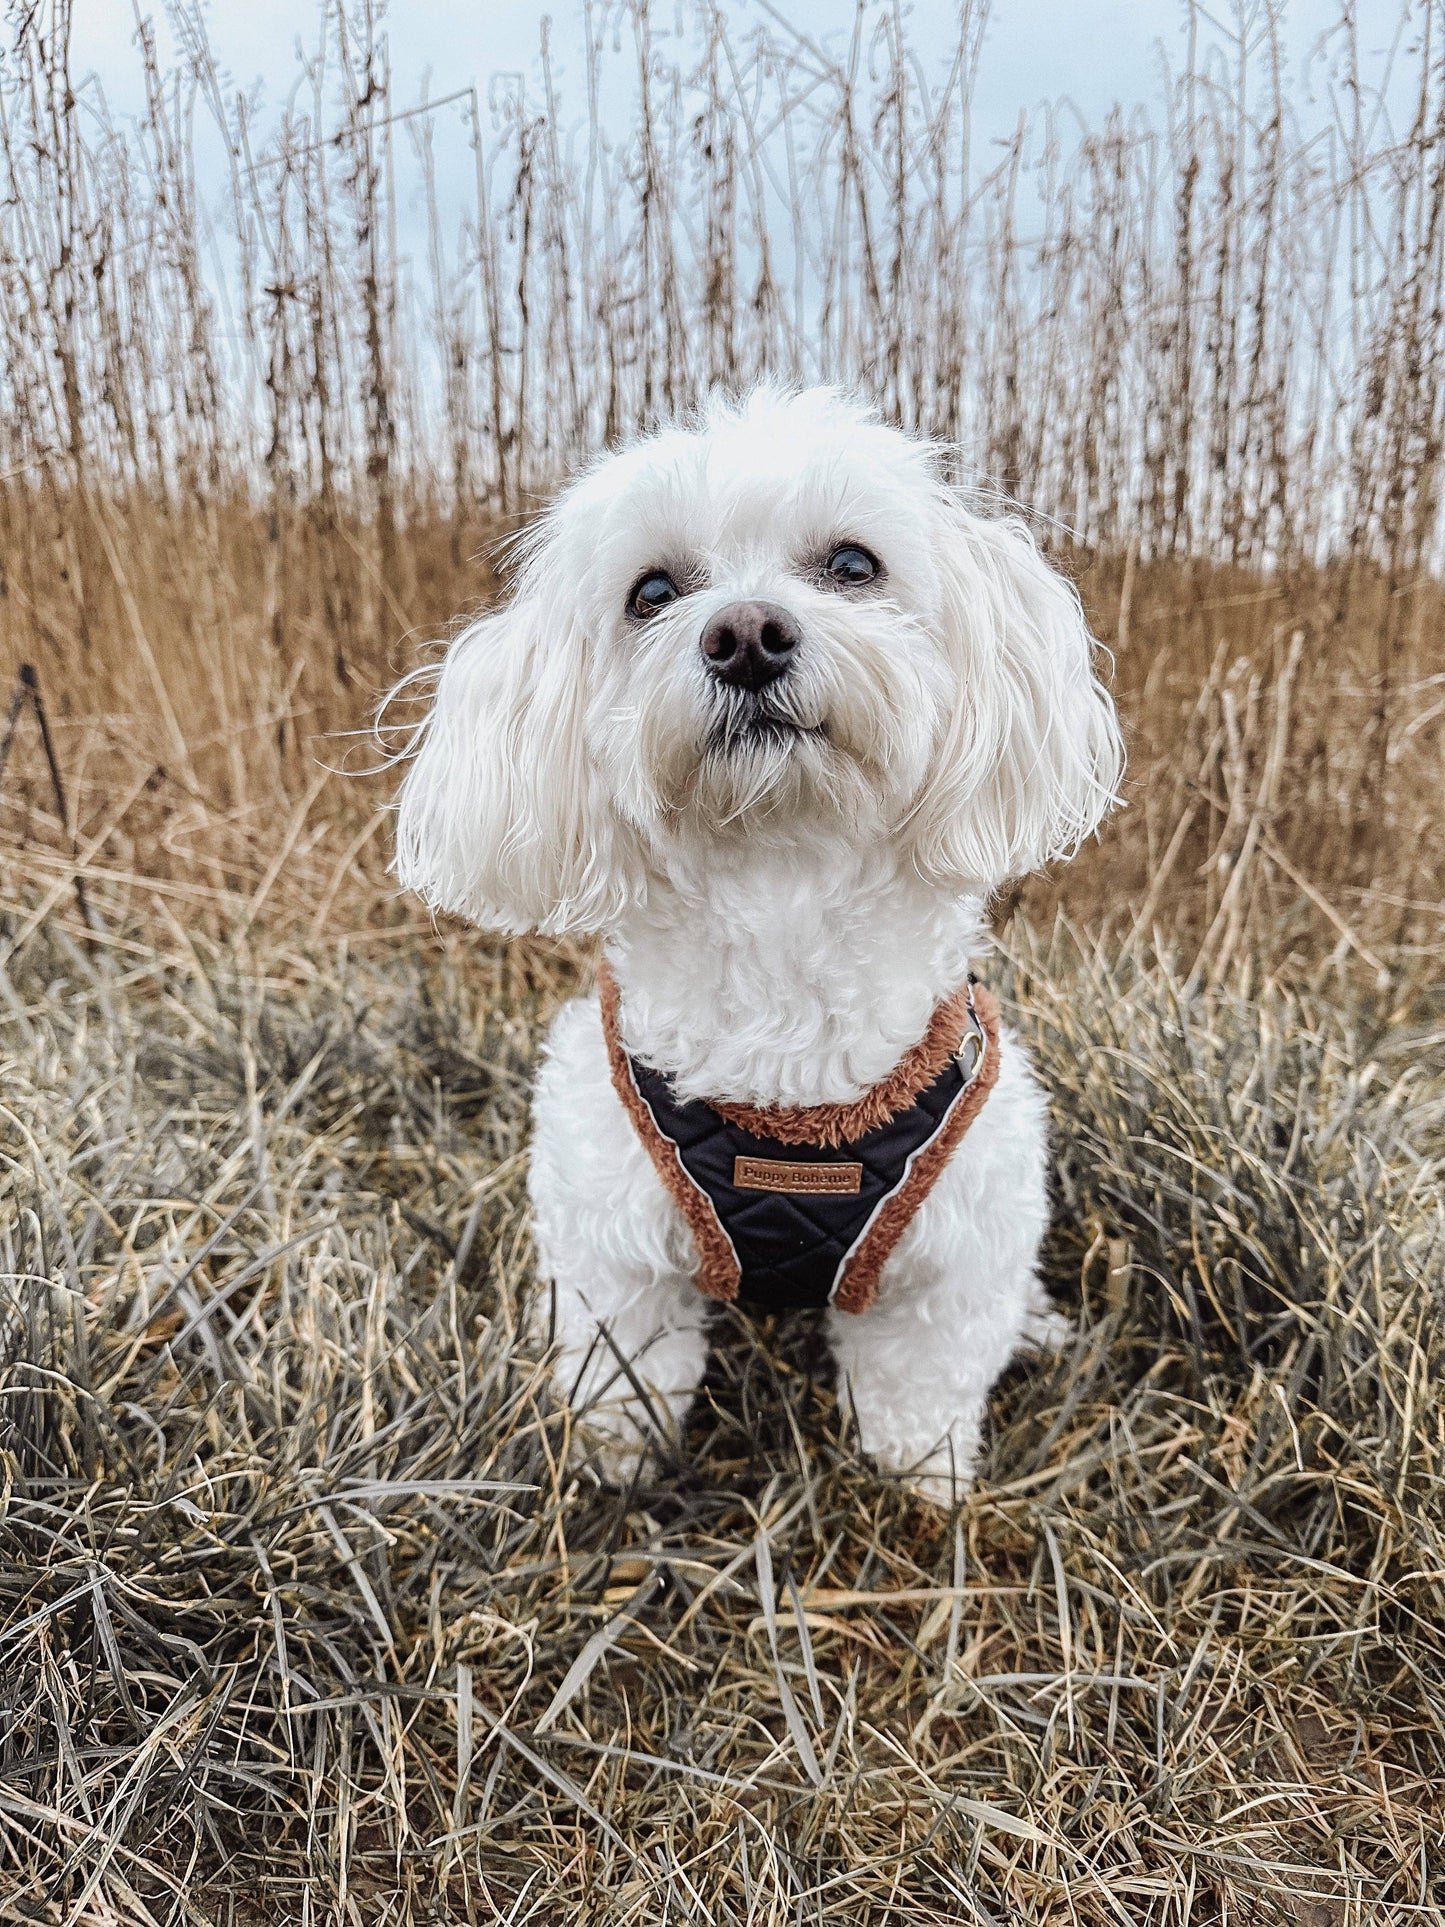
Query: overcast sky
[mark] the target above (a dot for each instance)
(1094, 51)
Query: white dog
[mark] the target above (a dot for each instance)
(774, 712)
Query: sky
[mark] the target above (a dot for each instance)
(1095, 52)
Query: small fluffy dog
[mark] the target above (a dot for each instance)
(774, 711)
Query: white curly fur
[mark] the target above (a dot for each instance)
(783, 910)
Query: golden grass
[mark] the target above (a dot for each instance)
(1286, 737)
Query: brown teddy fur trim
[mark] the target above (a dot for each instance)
(830, 1125)
(718, 1271)
(858, 1286)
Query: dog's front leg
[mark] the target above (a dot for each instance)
(957, 1301)
(629, 1355)
(628, 1323)
(915, 1372)
(915, 1395)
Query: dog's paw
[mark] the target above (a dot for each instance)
(614, 1445)
(943, 1476)
(940, 1486)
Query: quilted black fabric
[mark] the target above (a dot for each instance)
(790, 1248)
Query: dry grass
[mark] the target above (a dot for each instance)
(305, 1620)
(304, 1615)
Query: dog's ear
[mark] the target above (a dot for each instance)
(502, 818)
(1031, 756)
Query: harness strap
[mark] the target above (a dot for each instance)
(831, 1125)
(719, 1271)
(923, 1108)
(858, 1286)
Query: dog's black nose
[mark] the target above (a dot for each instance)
(750, 644)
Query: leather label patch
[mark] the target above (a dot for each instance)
(772, 1174)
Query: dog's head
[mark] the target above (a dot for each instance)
(775, 621)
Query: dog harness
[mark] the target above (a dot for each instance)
(803, 1207)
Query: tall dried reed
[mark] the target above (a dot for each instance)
(246, 449)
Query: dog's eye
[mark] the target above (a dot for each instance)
(653, 592)
(850, 566)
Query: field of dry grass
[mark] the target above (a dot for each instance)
(308, 1616)
(307, 1612)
